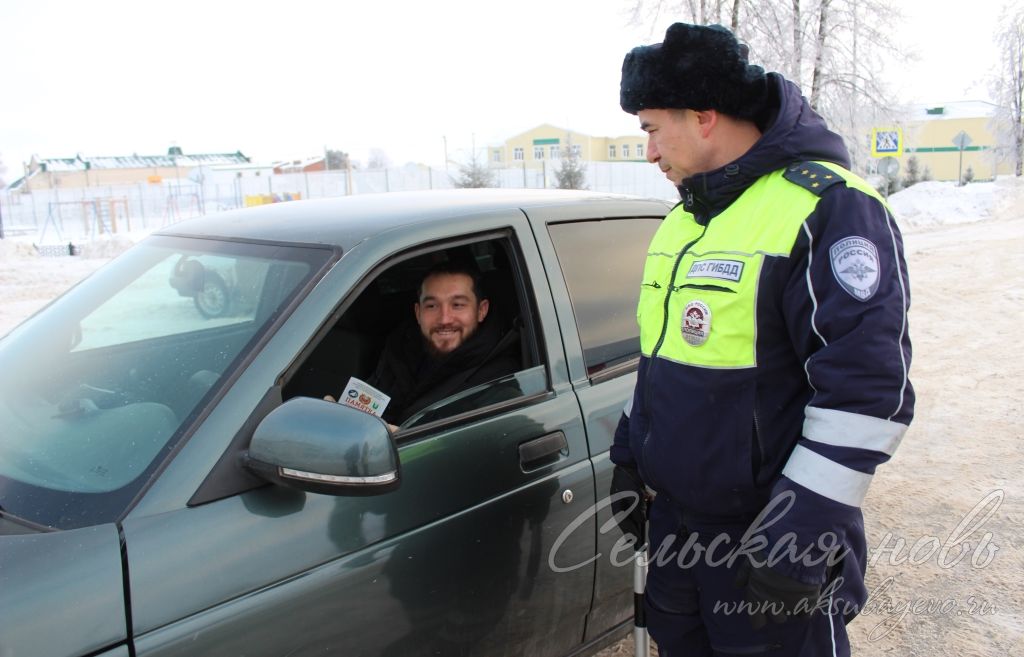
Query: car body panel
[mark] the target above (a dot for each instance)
(243, 542)
(61, 593)
(601, 402)
(348, 220)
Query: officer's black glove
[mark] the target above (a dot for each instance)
(629, 510)
(773, 596)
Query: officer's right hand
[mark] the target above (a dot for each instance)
(774, 596)
(629, 503)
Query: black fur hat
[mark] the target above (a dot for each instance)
(697, 67)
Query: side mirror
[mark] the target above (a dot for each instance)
(323, 447)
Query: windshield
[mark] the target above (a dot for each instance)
(100, 386)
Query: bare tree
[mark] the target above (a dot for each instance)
(1008, 85)
(3, 170)
(378, 159)
(834, 49)
(820, 48)
(798, 38)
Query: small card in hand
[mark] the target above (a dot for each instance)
(365, 397)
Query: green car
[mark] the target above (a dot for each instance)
(173, 482)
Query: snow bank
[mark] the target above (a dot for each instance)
(931, 203)
(104, 247)
(10, 249)
(107, 246)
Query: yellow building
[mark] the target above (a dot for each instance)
(547, 144)
(930, 134)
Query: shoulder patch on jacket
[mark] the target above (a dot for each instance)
(813, 177)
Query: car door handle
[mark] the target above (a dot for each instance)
(542, 451)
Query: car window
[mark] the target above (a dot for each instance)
(99, 386)
(383, 343)
(602, 262)
(178, 294)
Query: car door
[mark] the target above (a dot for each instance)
(596, 286)
(485, 548)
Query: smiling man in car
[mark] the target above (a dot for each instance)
(450, 348)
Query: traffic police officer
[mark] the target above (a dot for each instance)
(775, 356)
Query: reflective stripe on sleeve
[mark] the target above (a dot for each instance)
(843, 429)
(826, 477)
(628, 408)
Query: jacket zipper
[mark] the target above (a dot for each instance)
(672, 288)
(664, 329)
(757, 439)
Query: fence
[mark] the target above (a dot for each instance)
(57, 216)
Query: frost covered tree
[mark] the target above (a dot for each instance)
(834, 49)
(337, 160)
(1008, 85)
(571, 172)
(474, 174)
(378, 159)
(913, 172)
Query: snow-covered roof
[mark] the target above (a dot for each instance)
(958, 109)
(298, 165)
(135, 161)
(63, 164)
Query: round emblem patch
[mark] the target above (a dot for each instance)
(855, 265)
(696, 323)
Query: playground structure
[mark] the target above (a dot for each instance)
(98, 216)
(191, 202)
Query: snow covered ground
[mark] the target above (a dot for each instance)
(945, 518)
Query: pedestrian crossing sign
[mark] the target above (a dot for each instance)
(886, 141)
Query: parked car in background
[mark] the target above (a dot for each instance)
(172, 481)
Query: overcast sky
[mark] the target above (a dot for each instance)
(282, 80)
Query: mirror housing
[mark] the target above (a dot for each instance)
(323, 447)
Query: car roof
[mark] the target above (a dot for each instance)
(347, 220)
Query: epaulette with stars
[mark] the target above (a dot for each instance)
(812, 176)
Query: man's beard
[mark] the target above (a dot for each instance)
(436, 354)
